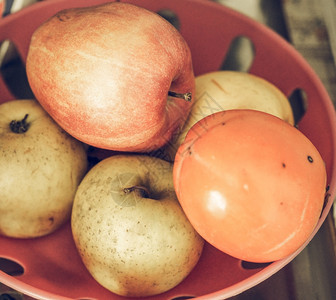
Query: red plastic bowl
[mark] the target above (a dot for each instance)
(52, 267)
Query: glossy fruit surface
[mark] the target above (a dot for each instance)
(251, 184)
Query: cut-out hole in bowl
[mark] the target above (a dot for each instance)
(252, 266)
(183, 298)
(170, 16)
(10, 267)
(13, 71)
(299, 103)
(12, 295)
(240, 55)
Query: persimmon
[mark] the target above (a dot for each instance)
(251, 184)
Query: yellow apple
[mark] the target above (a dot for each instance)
(40, 169)
(129, 228)
(225, 90)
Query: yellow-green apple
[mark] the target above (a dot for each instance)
(40, 169)
(115, 76)
(224, 90)
(129, 228)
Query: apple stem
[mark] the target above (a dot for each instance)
(19, 126)
(186, 96)
(144, 192)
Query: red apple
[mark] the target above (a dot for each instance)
(104, 72)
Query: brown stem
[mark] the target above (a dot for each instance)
(186, 96)
(143, 191)
(19, 126)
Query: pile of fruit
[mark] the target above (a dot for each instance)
(212, 158)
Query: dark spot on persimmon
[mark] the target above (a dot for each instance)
(310, 159)
(189, 151)
(283, 165)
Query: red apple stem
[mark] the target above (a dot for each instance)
(185, 96)
(20, 126)
(144, 192)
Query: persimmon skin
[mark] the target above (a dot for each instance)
(251, 184)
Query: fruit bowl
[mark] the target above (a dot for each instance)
(52, 268)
